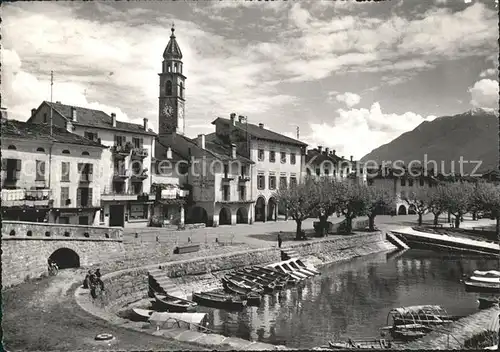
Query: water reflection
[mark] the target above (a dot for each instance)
(352, 299)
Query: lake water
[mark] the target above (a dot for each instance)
(352, 299)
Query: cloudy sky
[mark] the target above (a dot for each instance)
(351, 76)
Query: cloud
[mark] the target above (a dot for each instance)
(484, 94)
(358, 131)
(489, 72)
(350, 99)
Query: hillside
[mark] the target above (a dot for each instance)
(472, 135)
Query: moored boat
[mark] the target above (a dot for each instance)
(407, 335)
(170, 303)
(361, 344)
(296, 276)
(479, 286)
(266, 285)
(300, 263)
(492, 276)
(219, 300)
(294, 265)
(253, 299)
(137, 314)
(238, 288)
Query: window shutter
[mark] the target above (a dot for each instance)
(79, 196)
(90, 197)
(91, 169)
(4, 164)
(18, 165)
(141, 142)
(80, 167)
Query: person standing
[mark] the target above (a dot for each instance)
(280, 240)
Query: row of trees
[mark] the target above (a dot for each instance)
(321, 198)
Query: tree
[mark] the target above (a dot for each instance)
(457, 199)
(352, 200)
(379, 198)
(420, 200)
(301, 201)
(487, 198)
(327, 202)
(437, 204)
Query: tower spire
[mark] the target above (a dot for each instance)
(172, 51)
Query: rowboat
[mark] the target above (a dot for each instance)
(263, 279)
(239, 288)
(288, 268)
(294, 266)
(253, 299)
(265, 284)
(290, 280)
(219, 300)
(491, 276)
(415, 321)
(296, 276)
(250, 282)
(479, 286)
(137, 314)
(361, 344)
(301, 264)
(170, 303)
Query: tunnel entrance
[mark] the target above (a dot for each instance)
(66, 258)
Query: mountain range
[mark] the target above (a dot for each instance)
(472, 135)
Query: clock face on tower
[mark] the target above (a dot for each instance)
(167, 110)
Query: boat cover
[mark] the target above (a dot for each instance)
(190, 318)
(490, 272)
(438, 310)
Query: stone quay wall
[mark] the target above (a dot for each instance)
(130, 285)
(25, 252)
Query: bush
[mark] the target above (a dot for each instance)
(482, 340)
(156, 221)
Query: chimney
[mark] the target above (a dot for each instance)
(73, 114)
(232, 117)
(145, 124)
(201, 141)
(169, 153)
(233, 151)
(58, 102)
(33, 111)
(261, 125)
(113, 119)
(241, 118)
(342, 157)
(333, 152)
(327, 151)
(320, 148)
(351, 157)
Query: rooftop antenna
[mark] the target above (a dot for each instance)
(51, 84)
(298, 132)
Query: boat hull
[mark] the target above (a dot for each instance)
(173, 304)
(220, 301)
(483, 287)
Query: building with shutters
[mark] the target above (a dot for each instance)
(124, 176)
(49, 176)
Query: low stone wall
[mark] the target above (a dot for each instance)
(38, 229)
(459, 332)
(25, 252)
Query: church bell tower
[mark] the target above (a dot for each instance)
(172, 86)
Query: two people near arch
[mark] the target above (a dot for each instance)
(92, 281)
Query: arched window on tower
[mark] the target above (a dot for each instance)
(181, 87)
(175, 67)
(168, 88)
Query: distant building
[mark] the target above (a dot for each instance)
(124, 175)
(278, 160)
(49, 177)
(321, 162)
(400, 183)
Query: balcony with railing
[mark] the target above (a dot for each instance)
(139, 153)
(25, 197)
(115, 195)
(120, 174)
(121, 151)
(243, 179)
(139, 176)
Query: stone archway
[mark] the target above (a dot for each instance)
(197, 215)
(272, 209)
(260, 209)
(242, 216)
(402, 210)
(65, 258)
(225, 216)
(412, 210)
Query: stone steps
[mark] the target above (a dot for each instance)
(166, 284)
(288, 254)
